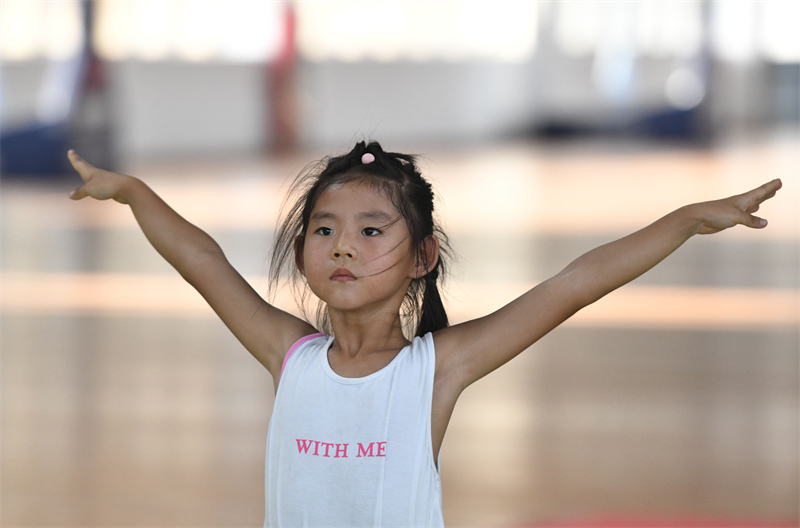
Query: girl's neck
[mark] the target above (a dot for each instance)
(359, 336)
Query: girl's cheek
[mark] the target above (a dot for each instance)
(386, 260)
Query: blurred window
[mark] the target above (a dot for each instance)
(388, 30)
(747, 31)
(391, 30)
(669, 29)
(31, 29)
(190, 30)
(779, 37)
(658, 29)
(738, 31)
(732, 32)
(577, 27)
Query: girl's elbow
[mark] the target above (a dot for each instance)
(196, 265)
(575, 291)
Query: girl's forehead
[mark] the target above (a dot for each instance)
(355, 195)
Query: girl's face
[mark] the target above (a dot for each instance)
(357, 252)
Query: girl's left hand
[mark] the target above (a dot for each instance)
(722, 214)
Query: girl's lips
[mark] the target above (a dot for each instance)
(342, 274)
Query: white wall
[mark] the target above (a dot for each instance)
(180, 107)
(434, 101)
(174, 108)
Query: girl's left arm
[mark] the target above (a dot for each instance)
(469, 351)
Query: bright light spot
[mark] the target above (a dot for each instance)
(34, 29)
(684, 89)
(658, 29)
(153, 30)
(652, 37)
(195, 37)
(395, 30)
(778, 33)
(110, 35)
(577, 27)
(505, 31)
(681, 23)
(18, 43)
(732, 31)
(63, 27)
(255, 30)
(149, 28)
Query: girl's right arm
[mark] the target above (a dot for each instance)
(264, 330)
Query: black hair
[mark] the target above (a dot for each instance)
(399, 177)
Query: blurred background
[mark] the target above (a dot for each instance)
(546, 127)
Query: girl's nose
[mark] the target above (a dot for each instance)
(343, 248)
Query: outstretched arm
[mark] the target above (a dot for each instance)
(606, 268)
(178, 241)
(264, 330)
(471, 350)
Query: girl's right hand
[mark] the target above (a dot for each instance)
(97, 183)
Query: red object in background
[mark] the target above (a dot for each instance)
(282, 101)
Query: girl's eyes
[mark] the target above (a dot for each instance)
(367, 231)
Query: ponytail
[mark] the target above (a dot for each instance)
(433, 316)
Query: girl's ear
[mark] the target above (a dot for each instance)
(431, 248)
(298, 253)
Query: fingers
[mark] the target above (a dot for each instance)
(751, 202)
(755, 222)
(766, 191)
(83, 167)
(78, 193)
(76, 161)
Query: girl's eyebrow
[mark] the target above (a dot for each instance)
(322, 215)
(378, 216)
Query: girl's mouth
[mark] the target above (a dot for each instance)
(343, 274)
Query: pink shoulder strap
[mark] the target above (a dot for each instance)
(296, 345)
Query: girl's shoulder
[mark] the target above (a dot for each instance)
(300, 342)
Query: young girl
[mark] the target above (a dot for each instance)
(361, 410)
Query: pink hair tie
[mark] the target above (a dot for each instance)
(367, 158)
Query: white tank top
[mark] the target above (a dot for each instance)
(353, 451)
